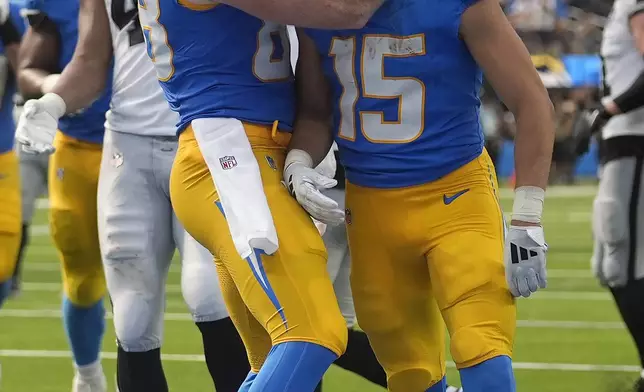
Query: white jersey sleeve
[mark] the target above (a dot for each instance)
(138, 103)
(623, 63)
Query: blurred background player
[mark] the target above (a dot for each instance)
(11, 29)
(618, 257)
(46, 49)
(416, 152)
(137, 228)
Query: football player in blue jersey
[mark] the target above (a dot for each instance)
(235, 89)
(425, 228)
(47, 47)
(11, 29)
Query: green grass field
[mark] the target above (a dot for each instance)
(569, 337)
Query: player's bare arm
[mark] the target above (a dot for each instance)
(312, 137)
(313, 129)
(506, 63)
(322, 14)
(38, 57)
(84, 78)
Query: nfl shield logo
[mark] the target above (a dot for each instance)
(60, 173)
(227, 162)
(117, 159)
(347, 216)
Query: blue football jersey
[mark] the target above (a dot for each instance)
(217, 61)
(89, 124)
(7, 126)
(406, 93)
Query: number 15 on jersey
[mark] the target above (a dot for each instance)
(409, 91)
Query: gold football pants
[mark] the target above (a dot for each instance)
(426, 251)
(287, 296)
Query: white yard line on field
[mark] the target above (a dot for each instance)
(571, 296)
(557, 324)
(541, 295)
(570, 273)
(555, 192)
(39, 230)
(567, 217)
(569, 367)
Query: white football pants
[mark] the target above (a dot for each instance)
(138, 234)
(339, 263)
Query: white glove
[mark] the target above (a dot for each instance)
(525, 246)
(525, 260)
(304, 183)
(38, 123)
(328, 166)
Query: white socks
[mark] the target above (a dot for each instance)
(90, 371)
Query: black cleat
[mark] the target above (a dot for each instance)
(639, 386)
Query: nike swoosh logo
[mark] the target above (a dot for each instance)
(449, 199)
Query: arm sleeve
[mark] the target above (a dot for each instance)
(633, 97)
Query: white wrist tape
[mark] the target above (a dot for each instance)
(54, 104)
(528, 204)
(49, 82)
(298, 156)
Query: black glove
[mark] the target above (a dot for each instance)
(588, 124)
(598, 120)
